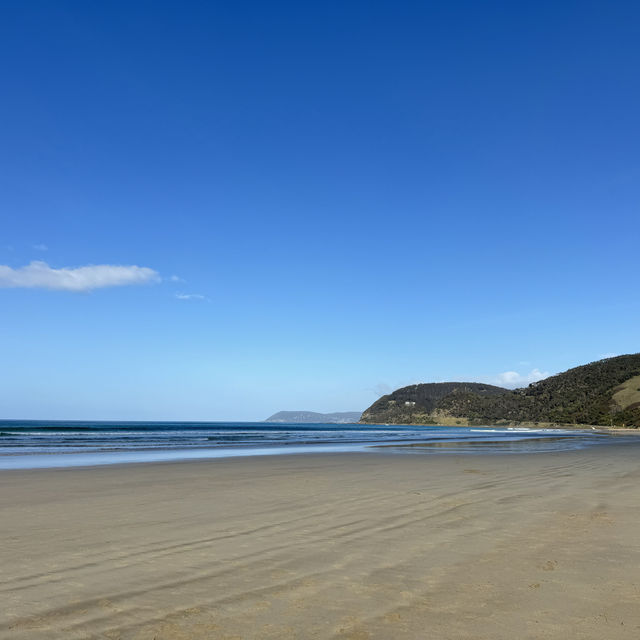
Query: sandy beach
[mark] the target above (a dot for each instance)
(351, 546)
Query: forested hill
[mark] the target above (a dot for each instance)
(414, 403)
(606, 392)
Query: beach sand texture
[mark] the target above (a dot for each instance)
(351, 546)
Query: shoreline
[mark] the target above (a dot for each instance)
(534, 426)
(90, 459)
(14, 461)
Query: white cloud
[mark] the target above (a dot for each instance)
(39, 275)
(515, 379)
(191, 296)
(175, 279)
(40, 247)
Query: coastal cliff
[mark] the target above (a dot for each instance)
(606, 392)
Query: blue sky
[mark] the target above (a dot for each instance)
(238, 208)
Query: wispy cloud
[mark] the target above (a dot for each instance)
(515, 379)
(40, 247)
(191, 296)
(39, 275)
(509, 379)
(175, 278)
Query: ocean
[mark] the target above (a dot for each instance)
(39, 444)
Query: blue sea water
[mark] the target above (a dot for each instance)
(38, 444)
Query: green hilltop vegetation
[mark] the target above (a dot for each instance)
(606, 392)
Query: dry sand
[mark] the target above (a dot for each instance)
(358, 546)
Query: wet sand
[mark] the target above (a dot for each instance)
(361, 546)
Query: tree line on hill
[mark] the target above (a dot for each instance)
(606, 392)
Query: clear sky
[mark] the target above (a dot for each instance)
(219, 210)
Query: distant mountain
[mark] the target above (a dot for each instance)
(344, 417)
(606, 392)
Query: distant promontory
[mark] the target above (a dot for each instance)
(344, 417)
